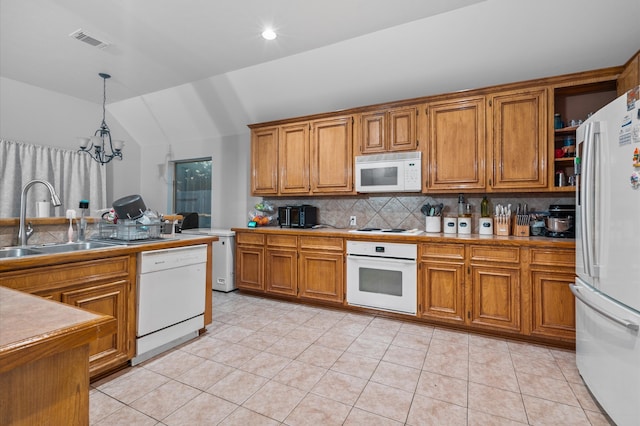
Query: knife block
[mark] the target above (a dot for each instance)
(502, 225)
(520, 230)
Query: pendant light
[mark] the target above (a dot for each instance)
(100, 146)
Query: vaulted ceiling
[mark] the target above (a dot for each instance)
(175, 61)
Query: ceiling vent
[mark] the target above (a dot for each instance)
(86, 38)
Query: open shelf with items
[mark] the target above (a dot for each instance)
(574, 104)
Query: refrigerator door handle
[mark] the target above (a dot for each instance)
(588, 195)
(623, 322)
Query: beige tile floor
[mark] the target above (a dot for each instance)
(267, 362)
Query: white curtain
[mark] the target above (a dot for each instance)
(75, 176)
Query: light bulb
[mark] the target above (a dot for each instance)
(269, 34)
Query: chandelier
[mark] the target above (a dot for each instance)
(100, 146)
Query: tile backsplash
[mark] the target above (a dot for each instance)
(403, 211)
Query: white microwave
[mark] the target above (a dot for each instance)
(397, 172)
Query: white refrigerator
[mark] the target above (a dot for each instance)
(607, 286)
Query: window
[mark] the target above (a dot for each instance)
(192, 189)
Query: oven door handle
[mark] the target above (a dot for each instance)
(381, 259)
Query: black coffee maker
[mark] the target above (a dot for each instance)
(561, 221)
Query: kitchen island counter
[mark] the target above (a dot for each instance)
(44, 359)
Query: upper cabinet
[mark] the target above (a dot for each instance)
(496, 142)
(455, 154)
(293, 157)
(332, 155)
(388, 130)
(264, 161)
(517, 135)
(494, 139)
(630, 75)
(303, 158)
(572, 103)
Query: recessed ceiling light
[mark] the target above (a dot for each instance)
(269, 34)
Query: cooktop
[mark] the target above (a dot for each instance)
(384, 231)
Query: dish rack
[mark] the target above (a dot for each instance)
(129, 230)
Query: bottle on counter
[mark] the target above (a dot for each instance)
(82, 226)
(484, 207)
(461, 206)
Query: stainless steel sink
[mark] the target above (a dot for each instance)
(13, 252)
(67, 247)
(7, 252)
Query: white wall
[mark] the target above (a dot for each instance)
(34, 115)
(200, 119)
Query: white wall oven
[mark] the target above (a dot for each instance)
(382, 276)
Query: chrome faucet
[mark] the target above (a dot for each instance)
(23, 235)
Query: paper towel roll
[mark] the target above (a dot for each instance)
(42, 209)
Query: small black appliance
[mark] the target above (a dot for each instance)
(303, 216)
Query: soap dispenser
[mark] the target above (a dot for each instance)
(82, 225)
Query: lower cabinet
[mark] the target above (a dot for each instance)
(111, 299)
(302, 266)
(494, 281)
(103, 286)
(553, 312)
(441, 295)
(495, 296)
(250, 261)
(496, 288)
(322, 268)
(479, 288)
(281, 266)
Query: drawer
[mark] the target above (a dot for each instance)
(289, 241)
(495, 254)
(553, 257)
(249, 238)
(321, 243)
(442, 251)
(49, 278)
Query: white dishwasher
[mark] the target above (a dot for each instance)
(171, 298)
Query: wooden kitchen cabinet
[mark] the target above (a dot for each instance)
(630, 75)
(552, 303)
(517, 138)
(388, 130)
(250, 261)
(456, 148)
(321, 268)
(441, 282)
(293, 156)
(332, 155)
(108, 298)
(281, 266)
(264, 161)
(303, 158)
(103, 286)
(493, 290)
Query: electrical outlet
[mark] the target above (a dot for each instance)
(352, 221)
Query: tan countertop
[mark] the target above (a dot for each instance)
(32, 328)
(421, 238)
(178, 240)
